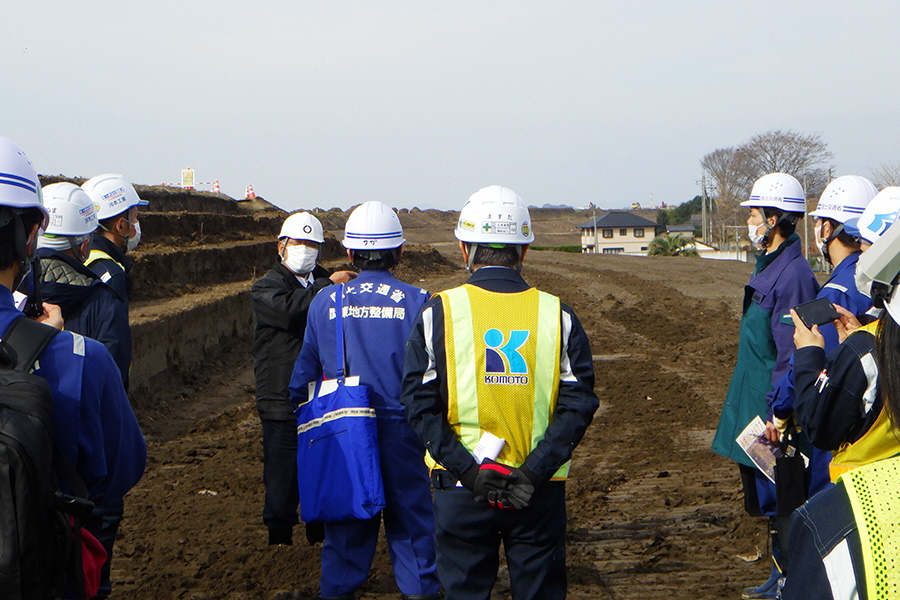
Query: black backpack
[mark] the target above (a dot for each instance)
(40, 545)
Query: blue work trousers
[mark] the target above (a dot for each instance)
(408, 523)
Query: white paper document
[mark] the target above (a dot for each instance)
(489, 446)
(760, 450)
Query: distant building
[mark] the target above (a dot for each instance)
(685, 229)
(618, 233)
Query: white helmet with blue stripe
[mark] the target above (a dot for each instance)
(19, 184)
(777, 190)
(844, 198)
(373, 225)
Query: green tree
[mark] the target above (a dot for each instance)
(672, 245)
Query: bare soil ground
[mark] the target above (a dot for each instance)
(653, 513)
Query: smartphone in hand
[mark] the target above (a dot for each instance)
(817, 312)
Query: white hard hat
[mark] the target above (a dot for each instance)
(113, 194)
(777, 190)
(19, 184)
(302, 226)
(72, 212)
(373, 225)
(845, 197)
(494, 215)
(879, 214)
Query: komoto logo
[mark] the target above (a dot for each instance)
(503, 362)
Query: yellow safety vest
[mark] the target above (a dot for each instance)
(874, 493)
(95, 255)
(503, 366)
(879, 442)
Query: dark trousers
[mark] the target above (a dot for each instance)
(280, 474)
(103, 523)
(468, 543)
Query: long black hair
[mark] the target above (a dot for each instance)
(887, 357)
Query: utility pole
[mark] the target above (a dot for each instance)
(704, 230)
(594, 218)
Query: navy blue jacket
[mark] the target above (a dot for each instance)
(88, 306)
(113, 273)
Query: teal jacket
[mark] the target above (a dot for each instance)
(782, 280)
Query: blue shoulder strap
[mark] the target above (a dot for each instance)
(339, 339)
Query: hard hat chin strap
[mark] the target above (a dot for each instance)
(825, 241)
(764, 244)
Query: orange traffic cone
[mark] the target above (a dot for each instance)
(249, 194)
(216, 189)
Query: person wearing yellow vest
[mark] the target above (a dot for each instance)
(498, 384)
(844, 541)
(119, 230)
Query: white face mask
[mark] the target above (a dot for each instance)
(820, 244)
(300, 259)
(755, 238)
(134, 240)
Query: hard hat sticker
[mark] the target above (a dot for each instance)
(499, 227)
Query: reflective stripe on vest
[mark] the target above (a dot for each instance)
(874, 494)
(95, 255)
(502, 367)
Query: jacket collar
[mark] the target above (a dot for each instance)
(772, 269)
(498, 279)
(101, 243)
(846, 264)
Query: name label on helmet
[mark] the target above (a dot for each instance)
(499, 227)
(115, 197)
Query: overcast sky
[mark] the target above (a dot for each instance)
(333, 103)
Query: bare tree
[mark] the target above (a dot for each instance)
(733, 170)
(886, 174)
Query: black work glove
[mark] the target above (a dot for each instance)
(483, 478)
(493, 478)
(315, 532)
(518, 494)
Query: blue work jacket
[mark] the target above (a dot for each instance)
(94, 425)
(379, 311)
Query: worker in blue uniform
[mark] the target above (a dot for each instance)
(498, 384)
(378, 313)
(94, 425)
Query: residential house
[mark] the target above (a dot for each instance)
(618, 232)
